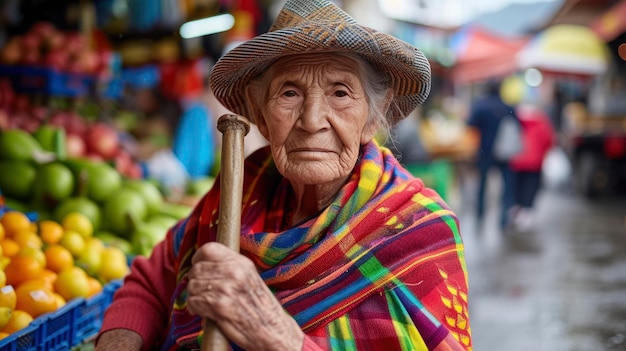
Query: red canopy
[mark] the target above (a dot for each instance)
(481, 55)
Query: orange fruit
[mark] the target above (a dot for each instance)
(3, 335)
(48, 277)
(59, 300)
(18, 321)
(9, 247)
(35, 298)
(14, 221)
(58, 258)
(94, 286)
(50, 231)
(4, 261)
(45, 279)
(21, 269)
(3, 278)
(73, 241)
(33, 252)
(78, 222)
(8, 298)
(27, 238)
(71, 283)
(2, 232)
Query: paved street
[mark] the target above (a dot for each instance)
(559, 287)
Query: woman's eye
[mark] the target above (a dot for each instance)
(289, 93)
(340, 93)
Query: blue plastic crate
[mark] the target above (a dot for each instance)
(141, 77)
(55, 330)
(27, 79)
(73, 324)
(112, 88)
(23, 340)
(89, 314)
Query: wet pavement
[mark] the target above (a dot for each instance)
(560, 286)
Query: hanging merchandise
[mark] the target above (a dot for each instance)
(144, 14)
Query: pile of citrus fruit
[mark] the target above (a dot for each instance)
(44, 264)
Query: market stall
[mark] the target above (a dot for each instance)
(98, 105)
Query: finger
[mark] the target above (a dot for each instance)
(211, 251)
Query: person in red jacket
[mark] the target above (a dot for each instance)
(538, 137)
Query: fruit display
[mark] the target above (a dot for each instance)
(43, 45)
(45, 264)
(119, 207)
(76, 205)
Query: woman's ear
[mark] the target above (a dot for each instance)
(369, 131)
(373, 125)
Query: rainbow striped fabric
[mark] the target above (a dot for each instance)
(381, 268)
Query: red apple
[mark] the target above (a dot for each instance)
(94, 157)
(31, 57)
(5, 121)
(134, 171)
(56, 59)
(30, 42)
(122, 161)
(74, 42)
(103, 140)
(39, 113)
(75, 124)
(43, 29)
(75, 146)
(55, 41)
(87, 61)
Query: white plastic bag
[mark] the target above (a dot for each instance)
(557, 169)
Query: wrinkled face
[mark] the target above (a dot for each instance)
(315, 117)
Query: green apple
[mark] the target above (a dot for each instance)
(18, 144)
(104, 180)
(110, 239)
(123, 207)
(200, 186)
(53, 183)
(146, 236)
(51, 138)
(149, 191)
(96, 180)
(17, 179)
(162, 220)
(79, 204)
(176, 211)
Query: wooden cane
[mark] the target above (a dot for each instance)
(234, 128)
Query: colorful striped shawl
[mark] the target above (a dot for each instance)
(381, 268)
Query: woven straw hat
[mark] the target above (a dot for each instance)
(306, 26)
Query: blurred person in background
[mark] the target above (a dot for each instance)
(485, 115)
(341, 248)
(538, 138)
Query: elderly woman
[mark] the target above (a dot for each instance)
(341, 248)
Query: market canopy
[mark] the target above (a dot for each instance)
(481, 54)
(566, 49)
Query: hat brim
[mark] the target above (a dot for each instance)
(406, 66)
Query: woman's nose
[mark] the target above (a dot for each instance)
(314, 114)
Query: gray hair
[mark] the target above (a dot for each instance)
(376, 86)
